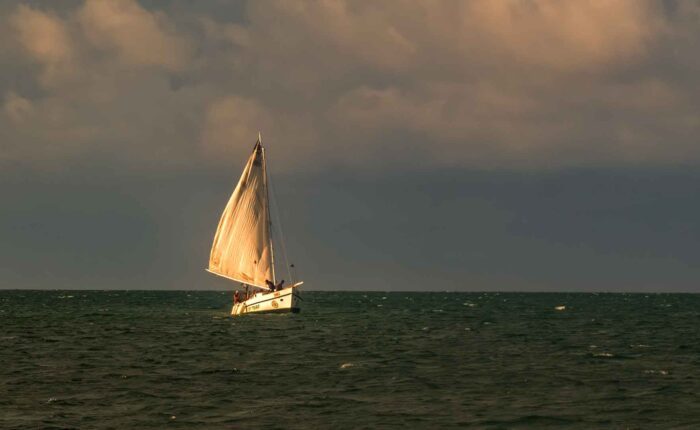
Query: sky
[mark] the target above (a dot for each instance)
(537, 145)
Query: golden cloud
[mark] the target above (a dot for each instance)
(138, 36)
(517, 83)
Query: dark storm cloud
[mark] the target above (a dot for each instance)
(595, 230)
(122, 124)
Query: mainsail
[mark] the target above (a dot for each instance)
(242, 249)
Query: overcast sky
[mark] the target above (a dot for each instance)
(456, 145)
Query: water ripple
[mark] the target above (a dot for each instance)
(131, 359)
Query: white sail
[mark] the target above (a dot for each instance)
(242, 248)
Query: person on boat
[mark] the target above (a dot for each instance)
(270, 285)
(280, 285)
(236, 297)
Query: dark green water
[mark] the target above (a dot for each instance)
(139, 359)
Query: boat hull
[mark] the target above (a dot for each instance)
(282, 301)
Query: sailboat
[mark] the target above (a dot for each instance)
(242, 250)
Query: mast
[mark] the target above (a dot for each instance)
(269, 219)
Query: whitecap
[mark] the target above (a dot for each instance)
(346, 365)
(560, 308)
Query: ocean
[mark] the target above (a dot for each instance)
(349, 360)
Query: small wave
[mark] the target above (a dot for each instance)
(560, 308)
(656, 372)
(603, 355)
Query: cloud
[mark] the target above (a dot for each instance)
(478, 83)
(101, 86)
(561, 35)
(139, 37)
(17, 108)
(421, 39)
(45, 39)
(487, 125)
(233, 119)
(232, 123)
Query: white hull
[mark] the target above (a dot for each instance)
(285, 300)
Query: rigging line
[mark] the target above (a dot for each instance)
(279, 224)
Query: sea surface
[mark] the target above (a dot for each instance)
(148, 359)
